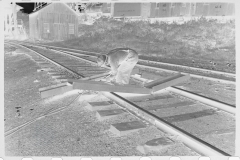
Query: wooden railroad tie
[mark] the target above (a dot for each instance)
(167, 82)
(102, 86)
(87, 84)
(148, 88)
(55, 90)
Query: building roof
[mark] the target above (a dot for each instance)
(52, 3)
(41, 8)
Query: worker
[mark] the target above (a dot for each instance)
(121, 61)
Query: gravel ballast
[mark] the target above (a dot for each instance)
(74, 131)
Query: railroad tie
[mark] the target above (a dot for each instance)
(122, 129)
(93, 106)
(107, 114)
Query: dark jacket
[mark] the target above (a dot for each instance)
(118, 55)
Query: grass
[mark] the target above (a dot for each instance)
(195, 39)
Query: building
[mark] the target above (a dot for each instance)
(136, 10)
(53, 21)
(158, 10)
(59, 21)
(10, 20)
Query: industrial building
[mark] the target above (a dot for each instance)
(54, 21)
(59, 21)
(158, 10)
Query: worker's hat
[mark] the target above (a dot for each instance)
(101, 60)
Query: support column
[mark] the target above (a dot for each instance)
(14, 20)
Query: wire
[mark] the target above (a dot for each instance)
(18, 128)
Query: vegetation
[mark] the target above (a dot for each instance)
(204, 39)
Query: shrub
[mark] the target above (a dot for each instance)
(195, 36)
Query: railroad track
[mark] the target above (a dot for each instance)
(212, 75)
(192, 90)
(167, 110)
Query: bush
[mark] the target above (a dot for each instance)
(195, 36)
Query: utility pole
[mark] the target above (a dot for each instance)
(14, 11)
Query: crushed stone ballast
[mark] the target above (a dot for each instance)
(190, 140)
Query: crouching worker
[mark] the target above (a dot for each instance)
(121, 61)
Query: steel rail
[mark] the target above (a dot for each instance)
(191, 141)
(164, 63)
(76, 53)
(89, 61)
(216, 104)
(52, 61)
(75, 56)
(188, 67)
(62, 52)
(63, 48)
(205, 100)
(192, 75)
(155, 68)
(220, 105)
(167, 70)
